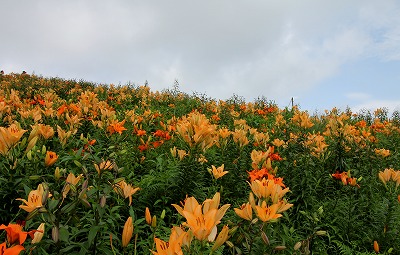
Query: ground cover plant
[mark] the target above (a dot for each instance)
(102, 169)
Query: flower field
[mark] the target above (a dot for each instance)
(102, 169)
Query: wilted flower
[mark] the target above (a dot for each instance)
(38, 234)
(126, 190)
(71, 180)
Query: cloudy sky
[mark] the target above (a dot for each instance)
(322, 53)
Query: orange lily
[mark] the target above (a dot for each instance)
(218, 172)
(245, 211)
(202, 219)
(177, 238)
(14, 250)
(50, 159)
(34, 199)
(116, 127)
(267, 213)
(9, 137)
(15, 233)
(385, 175)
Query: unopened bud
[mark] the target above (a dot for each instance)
(280, 248)
(34, 177)
(57, 173)
(264, 238)
(154, 221)
(44, 150)
(85, 184)
(297, 246)
(77, 163)
(103, 201)
(31, 144)
(232, 230)
(29, 155)
(321, 233)
(46, 192)
(55, 234)
(254, 220)
(230, 244)
(162, 214)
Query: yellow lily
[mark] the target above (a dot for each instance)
(202, 219)
(385, 175)
(126, 190)
(218, 172)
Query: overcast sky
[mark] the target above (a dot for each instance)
(321, 53)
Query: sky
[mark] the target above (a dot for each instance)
(323, 54)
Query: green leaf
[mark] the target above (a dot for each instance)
(92, 233)
(64, 234)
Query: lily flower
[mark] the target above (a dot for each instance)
(35, 199)
(71, 180)
(202, 219)
(245, 211)
(104, 165)
(177, 238)
(126, 190)
(218, 172)
(15, 235)
(50, 159)
(385, 175)
(221, 238)
(267, 213)
(116, 127)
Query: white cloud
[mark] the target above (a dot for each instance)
(251, 48)
(372, 105)
(358, 96)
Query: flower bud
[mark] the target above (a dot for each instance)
(280, 248)
(31, 144)
(162, 214)
(55, 234)
(148, 216)
(297, 246)
(127, 232)
(57, 173)
(376, 246)
(103, 201)
(154, 221)
(321, 233)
